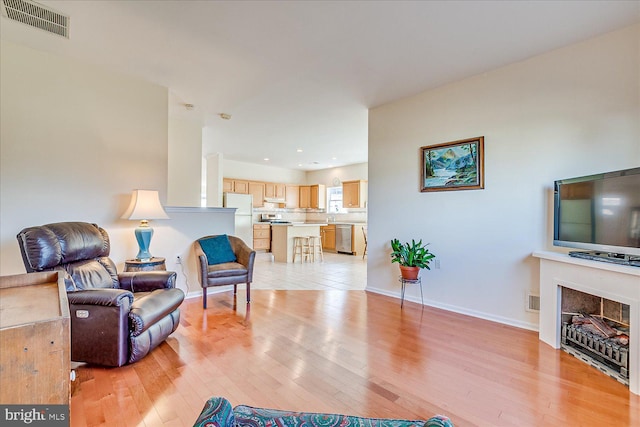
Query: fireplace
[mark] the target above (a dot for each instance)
(613, 297)
(596, 330)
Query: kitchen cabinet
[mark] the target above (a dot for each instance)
(318, 196)
(283, 238)
(313, 196)
(292, 196)
(230, 185)
(274, 190)
(328, 237)
(262, 237)
(241, 186)
(354, 194)
(305, 196)
(256, 189)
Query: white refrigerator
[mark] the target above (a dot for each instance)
(244, 210)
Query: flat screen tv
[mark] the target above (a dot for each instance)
(599, 213)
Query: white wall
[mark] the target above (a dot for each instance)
(184, 159)
(75, 141)
(570, 112)
(251, 171)
(213, 184)
(177, 235)
(343, 173)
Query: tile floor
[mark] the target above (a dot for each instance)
(337, 272)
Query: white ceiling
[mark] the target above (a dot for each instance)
(302, 74)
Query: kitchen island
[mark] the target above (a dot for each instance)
(282, 238)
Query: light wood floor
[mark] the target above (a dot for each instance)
(350, 352)
(338, 271)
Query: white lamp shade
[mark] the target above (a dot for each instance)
(145, 205)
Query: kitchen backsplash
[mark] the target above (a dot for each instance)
(352, 216)
(302, 215)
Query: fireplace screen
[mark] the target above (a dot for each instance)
(596, 330)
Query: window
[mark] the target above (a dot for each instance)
(334, 199)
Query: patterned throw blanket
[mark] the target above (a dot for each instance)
(218, 412)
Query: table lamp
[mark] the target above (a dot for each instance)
(145, 205)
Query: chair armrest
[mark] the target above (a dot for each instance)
(106, 297)
(147, 311)
(203, 264)
(202, 269)
(100, 325)
(243, 252)
(244, 255)
(217, 411)
(145, 281)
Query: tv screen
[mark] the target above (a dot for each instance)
(599, 212)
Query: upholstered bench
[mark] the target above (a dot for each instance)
(218, 412)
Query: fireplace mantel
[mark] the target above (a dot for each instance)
(612, 281)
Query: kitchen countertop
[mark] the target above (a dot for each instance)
(312, 223)
(337, 222)
(300, 224)
(283, 236)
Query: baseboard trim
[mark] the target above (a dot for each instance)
(428, 302)
(210, 291)
(460, 310)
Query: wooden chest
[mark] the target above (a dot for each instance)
(35, 354)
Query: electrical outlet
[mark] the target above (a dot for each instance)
(178, 259)
(437, 264)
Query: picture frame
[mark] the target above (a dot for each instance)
(455, 165)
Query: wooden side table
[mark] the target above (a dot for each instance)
(154, 264)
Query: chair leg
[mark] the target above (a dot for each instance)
(320, 249)
(235, 289)
(248, 292)
(204, 298)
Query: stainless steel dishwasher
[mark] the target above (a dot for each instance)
(343, 238)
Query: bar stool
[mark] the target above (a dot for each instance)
(364, 231)
(301, 247)
(315, 245)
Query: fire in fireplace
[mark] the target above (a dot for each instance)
(596, 330)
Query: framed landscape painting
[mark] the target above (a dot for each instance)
(457, 165)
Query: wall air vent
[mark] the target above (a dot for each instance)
(36, 15)
(533, 303)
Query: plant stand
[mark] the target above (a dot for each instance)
(404, 282)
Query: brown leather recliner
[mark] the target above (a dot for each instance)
(228, 273)
(115, 318)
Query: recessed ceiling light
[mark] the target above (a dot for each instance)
(266, 159)
(225, 116)
(333, 158)
(299, 164)
(299, 150)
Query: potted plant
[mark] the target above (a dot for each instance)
(411, 257)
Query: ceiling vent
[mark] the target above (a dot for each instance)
(36, 15)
